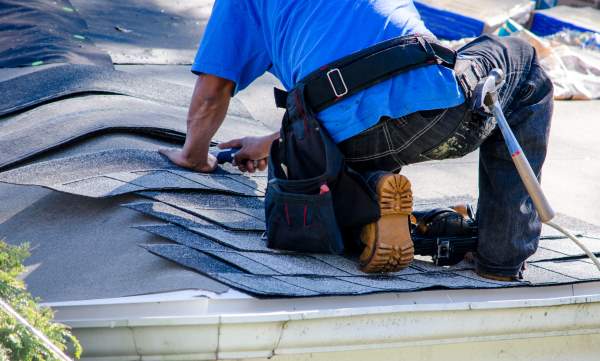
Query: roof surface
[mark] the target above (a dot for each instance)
(91, 134)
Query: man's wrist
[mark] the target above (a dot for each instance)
(195, 158)
(268, 141)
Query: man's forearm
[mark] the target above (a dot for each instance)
(206, 114)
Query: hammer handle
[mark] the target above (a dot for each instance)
(533, 187)
(226, 156)
(530, 181)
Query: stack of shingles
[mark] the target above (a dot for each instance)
(222, 236)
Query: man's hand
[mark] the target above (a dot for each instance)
(180, 158)
(253, 153)
(207, 111)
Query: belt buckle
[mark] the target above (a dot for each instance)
(443, 251)
(339, 73)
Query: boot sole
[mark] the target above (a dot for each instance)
(496, 277)
(388, 244)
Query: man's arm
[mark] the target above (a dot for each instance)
(206, 114)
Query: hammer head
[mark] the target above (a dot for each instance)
(486, 92)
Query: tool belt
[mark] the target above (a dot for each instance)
(313, 198)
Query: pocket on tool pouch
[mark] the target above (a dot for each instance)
(302, 222)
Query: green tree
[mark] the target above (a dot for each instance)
(16, 342)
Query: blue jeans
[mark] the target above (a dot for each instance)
(509, 227)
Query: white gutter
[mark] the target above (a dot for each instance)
(216, 328)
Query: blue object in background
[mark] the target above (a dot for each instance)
(449, 25)
(509, 27)
(544, 25)
(545, 4)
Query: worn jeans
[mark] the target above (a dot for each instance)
(509, 227)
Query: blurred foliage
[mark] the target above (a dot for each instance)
(16, 341)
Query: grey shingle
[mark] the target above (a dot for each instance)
(233, 219)
(65, 80)
(192, 200)
(104, 173)
(157, 179)
(263, 285)
(58, 124)
(448, 280)
(350, 265)
(539, 276)
(578, 269)
(183, 236)
(328, 285)
(346, 264)
(295, 264)
(242, 241)
(169, 213)
(247, 264)
(82, 166)
(566, 246)
(387, 283)
(545, 254)
(251, 262)
(190, 258)
(96, 187)
(231, 183)
(231, 212)
(472, 275)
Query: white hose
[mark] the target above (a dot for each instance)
(37, 333)
(576, 241)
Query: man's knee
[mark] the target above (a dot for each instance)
(511, 54)
(535, 85)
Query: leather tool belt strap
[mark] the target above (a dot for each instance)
(363, 69)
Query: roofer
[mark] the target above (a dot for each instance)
(418, 113)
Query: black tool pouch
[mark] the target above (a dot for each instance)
(312, 196)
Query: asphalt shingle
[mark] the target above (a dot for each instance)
(190, 258)
(328, 285)
(183, 236)
(169, 213)
(263, 285)
(583, 270)
(115, 172)
(39, 87)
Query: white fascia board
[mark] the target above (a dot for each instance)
(318, 314)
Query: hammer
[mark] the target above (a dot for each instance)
(486, 100)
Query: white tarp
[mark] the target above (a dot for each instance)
(575, 71)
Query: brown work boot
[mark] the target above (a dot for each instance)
(503, 278)
(500, 278)
(388, 245)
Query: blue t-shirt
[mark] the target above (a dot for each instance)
(292, 38)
